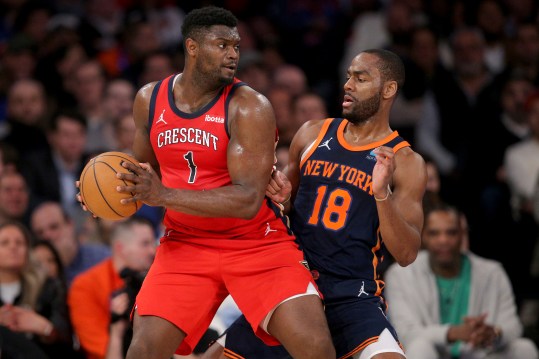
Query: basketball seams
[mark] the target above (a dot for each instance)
(101, 171)
(98, 185)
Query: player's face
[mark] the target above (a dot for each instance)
(219, 53)
(363, 89)
(442, 236)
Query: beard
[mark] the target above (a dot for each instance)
(363, 110)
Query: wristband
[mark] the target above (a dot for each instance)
(288, 199)
(389, 193)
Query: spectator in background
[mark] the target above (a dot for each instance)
(32, 307)
(51, 223)
(156, 66)
(292, 78)
(281, 101)
(104, 295)
(17, 62)
(55, 68)
(524, 52)
(507, 124)
(117, 102)
(459, 102)
(118, 99)
(490, 18)
(26, 113)
(88, 86)
(51, 174)
(453, 304)
(307, 106)
(423, 65)
(139, 39)
(48, 260)
(522, 161)
(124, 133)
(163, 16)
(522, 168)
(14, 198)
(253, 71)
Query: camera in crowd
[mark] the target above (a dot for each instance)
(133, 281)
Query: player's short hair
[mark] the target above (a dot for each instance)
(200, 20)
(390, 66)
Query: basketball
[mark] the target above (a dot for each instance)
(98, 184)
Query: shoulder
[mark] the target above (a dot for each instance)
(89, 278)
(486, 264)
(410, 164)
(94, 250)
(409, 157)
(247, 96)
(308, 132)
(144, 94)
(519, 148)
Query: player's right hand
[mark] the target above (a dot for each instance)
(279, 187)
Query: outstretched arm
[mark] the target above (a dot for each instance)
(249, 160)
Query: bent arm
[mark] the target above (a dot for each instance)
(249, 160)
(401, 215)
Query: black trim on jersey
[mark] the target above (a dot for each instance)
(151, 112)
(227, 101)
(186, 115)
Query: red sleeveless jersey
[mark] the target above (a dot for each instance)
(191, 149)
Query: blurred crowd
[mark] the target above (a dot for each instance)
(69, 71)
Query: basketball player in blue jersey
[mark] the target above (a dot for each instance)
(357, 186)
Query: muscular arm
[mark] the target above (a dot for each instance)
(142, 148)
(249, 159)
(302, 139)
(401, 215)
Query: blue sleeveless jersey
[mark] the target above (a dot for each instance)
(335, 217)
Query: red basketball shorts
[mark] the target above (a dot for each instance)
(187, 282)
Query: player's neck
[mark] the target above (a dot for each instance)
(367, 132)
(191, 95)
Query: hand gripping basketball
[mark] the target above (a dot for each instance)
(98, 186)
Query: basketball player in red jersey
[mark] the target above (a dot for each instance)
(206, 143)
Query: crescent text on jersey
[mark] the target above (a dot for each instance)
(189, 135)
(339, 172)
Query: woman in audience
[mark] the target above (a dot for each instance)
(33, 311)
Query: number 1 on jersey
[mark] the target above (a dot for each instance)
(335, 210)
(192, 167)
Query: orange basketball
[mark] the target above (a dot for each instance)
(98, 183)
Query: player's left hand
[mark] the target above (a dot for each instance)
(279, 187)
(382, 174)
(147, 186)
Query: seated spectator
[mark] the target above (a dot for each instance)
(33, 309)
(51, 174)
(449, 304)
(47, 260)
(522, 161)
(101, 298)
(51, 223)
(26, 113)
(14, 197)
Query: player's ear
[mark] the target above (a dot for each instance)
(390, 89)
(191, 46)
